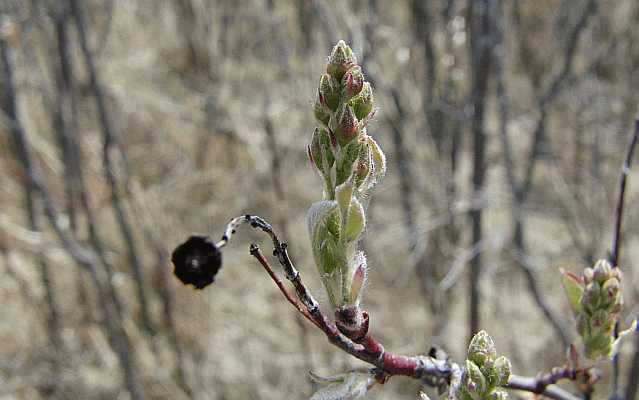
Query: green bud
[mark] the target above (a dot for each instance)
(474, 381)
(363, 167)
(481, 348)
(363, 102)
(502, 367)
(320, 151)
(329, 92)
(340, 60)
(352, 82)
(346, 163)
(597, 345)
(321, 112)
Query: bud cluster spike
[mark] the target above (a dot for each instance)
(484, 372)
(596, 299)
(350, 163)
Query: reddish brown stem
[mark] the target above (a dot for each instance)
(369, 349)
(429, 370)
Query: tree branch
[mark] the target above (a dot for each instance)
(429, 370)
(540, 385)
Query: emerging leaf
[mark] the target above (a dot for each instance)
(350, 386)
(356, 221)
(574, 289)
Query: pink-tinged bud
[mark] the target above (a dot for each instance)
(340, 60)
(359, 277)
(347, 126)
(352, 82)
(363, 102)
(320, 151)
(329, 92)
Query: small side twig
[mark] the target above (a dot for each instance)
(257, 253)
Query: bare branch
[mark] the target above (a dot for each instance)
(540, 386)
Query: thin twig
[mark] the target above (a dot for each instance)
(257, 253)
(533, 385)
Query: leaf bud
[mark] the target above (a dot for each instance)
(363, 102)
(340, 60)
(352, 82)
(347, 126)
(481, 348)
(320, 151)
(589, 274)
(474, 381)
(502, 367)
(602, 271)
(329, 92)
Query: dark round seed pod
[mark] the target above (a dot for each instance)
(196, 261)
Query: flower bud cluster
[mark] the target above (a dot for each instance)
(596, 299)
(484, 372)
(350, 163)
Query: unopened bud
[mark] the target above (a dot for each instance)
(602, 271)
(591, 297)
(340, 60)
(583, 327)
(320, 151)
(347, 126)
(502, 367)
(589, 274)
(481, 348)
(363, 102)
(474, 380)
(611, 287)
(359, 277)
(329, 92)
(352, 82)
